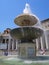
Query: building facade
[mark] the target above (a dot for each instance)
(7, 40)
(43, 42)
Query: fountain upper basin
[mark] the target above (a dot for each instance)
(26, 20)
(26, 33)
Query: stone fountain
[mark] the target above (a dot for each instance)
(27, 32)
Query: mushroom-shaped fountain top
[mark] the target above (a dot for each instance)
(27, 18)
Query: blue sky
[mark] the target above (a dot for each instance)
(9, 9)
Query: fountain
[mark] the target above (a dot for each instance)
(27, 32)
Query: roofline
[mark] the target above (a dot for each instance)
(45, 20)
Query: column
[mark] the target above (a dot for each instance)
(13, 44)
(37, 44)
(6, 43)
(16, 44)
(5, 40)
(9, 44)
(41, 39)
(46, 40)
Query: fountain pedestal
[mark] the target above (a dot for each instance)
(27, 49)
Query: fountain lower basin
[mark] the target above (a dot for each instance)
(26, 33)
